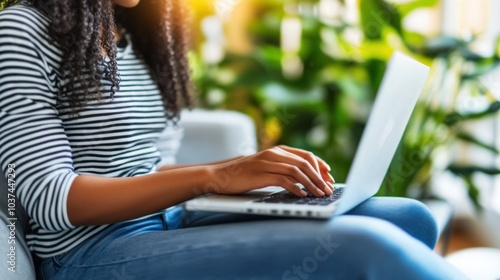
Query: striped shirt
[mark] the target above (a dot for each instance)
(50, 148)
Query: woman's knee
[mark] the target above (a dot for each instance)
(408, 214)
(420, 221)
(366, 234)
(381, 250)
(376, 249)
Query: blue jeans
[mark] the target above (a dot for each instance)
(382, 238)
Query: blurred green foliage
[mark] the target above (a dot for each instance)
(325, 108)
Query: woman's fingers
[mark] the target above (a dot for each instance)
(320, 165)
(290, 171)
(318, 178)
(323, 164)
(300, 169)
(327, 177)
(290, 185)
(310, 157)
(325, 170)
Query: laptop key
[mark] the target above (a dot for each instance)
(326, 202)
(300, 201)
(313, 202)
(287, 198)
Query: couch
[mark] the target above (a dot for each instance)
(208, 136)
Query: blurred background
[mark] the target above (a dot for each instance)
(307, 73)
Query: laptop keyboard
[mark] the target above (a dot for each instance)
(286, 197)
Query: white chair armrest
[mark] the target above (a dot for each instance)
(215, 135)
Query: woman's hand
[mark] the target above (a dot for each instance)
(279, 166)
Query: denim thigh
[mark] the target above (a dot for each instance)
(376, 240)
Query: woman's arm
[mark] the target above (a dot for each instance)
(94, 200)
(177, 166)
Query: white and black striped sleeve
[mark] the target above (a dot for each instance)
(31, 133)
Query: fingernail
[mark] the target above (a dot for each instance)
(329, 190)
(331, 186)
(321, 193)
(331, 177)
(303, 193)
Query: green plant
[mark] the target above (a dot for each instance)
(324, 107)
(438, 124)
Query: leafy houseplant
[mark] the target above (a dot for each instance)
(438, 121)
(322, 103)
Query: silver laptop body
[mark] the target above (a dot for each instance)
(403, 81)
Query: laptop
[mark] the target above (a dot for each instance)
(399, 91)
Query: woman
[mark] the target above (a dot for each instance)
(86, 89)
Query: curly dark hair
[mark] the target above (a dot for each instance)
(85, 31)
